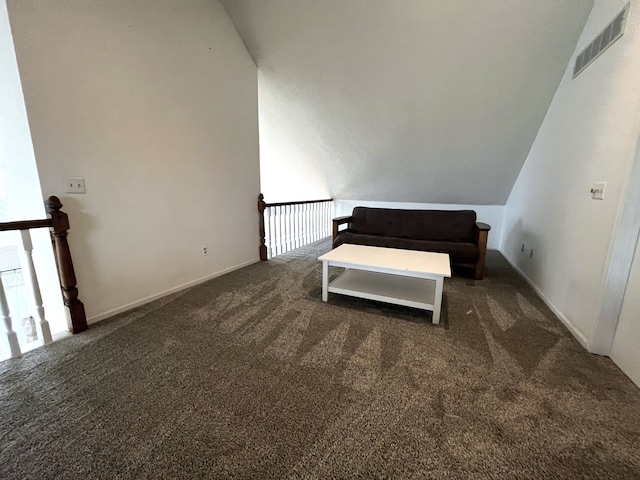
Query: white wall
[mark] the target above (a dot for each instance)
(589, 134)
(490, 214)
(22, 193)
(154, 102)
(404, 101)
(288, 171)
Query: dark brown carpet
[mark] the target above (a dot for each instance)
(252, 376)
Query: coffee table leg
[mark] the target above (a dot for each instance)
(437, 301)
(325, 281)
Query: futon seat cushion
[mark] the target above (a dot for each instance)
(459, 252)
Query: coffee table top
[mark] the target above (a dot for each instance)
(389, 258)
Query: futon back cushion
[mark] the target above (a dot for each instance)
(434, 225)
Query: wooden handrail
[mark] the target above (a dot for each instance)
(301, 202)
(59, 225)
(25, 225)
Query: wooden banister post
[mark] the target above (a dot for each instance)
(66, 273)
(261, 208)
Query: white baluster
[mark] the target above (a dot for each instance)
(268, 232)
(274, 221)
(324, 219)
(14, 346)
(312, 226)
(287, 228)
(306, 223)
(292, 224)
(280, 230)
(284, 229)
(275, 230)
(327, 219)
(293, 227)
(43, 326)
(312, 208)
(312, 217)
(296, 225)
(301, 224)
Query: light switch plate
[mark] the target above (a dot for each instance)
(597, 191)
(76, 185)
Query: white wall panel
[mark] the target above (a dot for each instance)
(154, 102)
(589, 135)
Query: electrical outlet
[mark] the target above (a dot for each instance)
(76, 185)
(205, 251)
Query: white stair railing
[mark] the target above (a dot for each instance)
(290, 225)
(58, 225)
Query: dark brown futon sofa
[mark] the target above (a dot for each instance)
(455, 232)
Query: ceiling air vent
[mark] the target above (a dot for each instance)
(609, 35)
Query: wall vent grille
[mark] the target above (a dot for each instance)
(610, 34)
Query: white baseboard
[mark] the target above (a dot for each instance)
(151, 298)
(567, 323)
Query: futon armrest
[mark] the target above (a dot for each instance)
(482, 234)
(340, 221)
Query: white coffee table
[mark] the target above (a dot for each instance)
(403, 277)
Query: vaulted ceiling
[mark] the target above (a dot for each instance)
(434, 101)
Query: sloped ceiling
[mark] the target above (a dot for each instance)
(434, 101)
